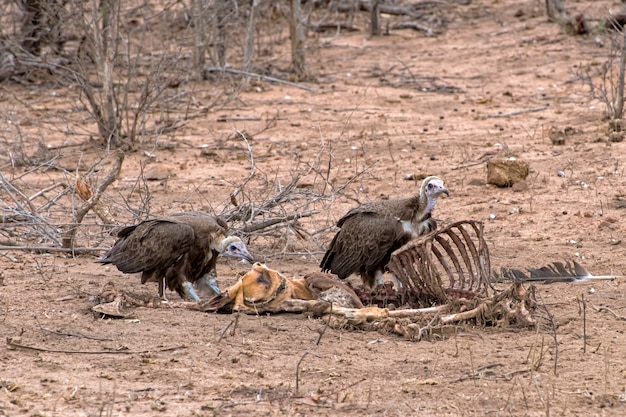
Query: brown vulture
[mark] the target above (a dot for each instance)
(369, 233)
(176, 251)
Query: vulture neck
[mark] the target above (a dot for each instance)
(420, 221)
(223, 244)
(423, 204)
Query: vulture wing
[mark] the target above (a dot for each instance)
(401, 209)
(150, 245)
(363, 245)
(209, 230)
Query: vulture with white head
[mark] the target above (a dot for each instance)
(177, 252)
(369, 233)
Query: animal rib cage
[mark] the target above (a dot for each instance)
(452, 262)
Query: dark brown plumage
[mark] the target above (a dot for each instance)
(370, 232)
(176, 251)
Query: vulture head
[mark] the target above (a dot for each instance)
(234, 247)
(432, 188)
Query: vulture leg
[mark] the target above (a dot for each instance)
(189, 291)
(206, 286)
(398, 282)
(379, 277)
(379, 280)
(162, 286)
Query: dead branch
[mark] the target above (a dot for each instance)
(259, 76)
(14, 343)
(70, 235)
(413, 25)
(516, 112)
(29, 214)
(584, 308)
(232, 324)
(317, 342)
(53, 249)
(409, 10)
(603, 309)
(251, 228)
(58, 333)
(553, 327)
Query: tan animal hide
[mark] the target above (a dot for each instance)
(264, 290)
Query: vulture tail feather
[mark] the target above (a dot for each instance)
(555, 272)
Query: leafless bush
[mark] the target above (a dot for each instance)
(77, 213)
(606, 82)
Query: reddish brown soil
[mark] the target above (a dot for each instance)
(495, 57)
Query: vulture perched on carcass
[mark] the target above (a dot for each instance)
(369, 233)
(177, 252)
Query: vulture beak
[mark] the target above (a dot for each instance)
(435, 188)
(239, 250)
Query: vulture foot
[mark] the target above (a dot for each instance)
(190, 292)
(207, 287)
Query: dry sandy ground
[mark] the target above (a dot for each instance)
(374, 112)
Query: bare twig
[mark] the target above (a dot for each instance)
(12, 343)
(584, 305)
(516, 112)
(263, 77)
(68, 240)
(70, 334)
(608, 310)
(317, 342)
(51, 249)
(233, 323)
(253, 227)
(553, 327)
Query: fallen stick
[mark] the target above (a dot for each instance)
(263, 77)
(15, 345)
(516, 112)
(608, 310)
(53, 249)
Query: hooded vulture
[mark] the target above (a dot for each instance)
(369, 233)
(177, 252)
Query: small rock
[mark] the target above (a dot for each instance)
(616, 137)
(478, 182)
(157, 172)
(505, 172)
(616, 125)
(557, 137)
(520, 186)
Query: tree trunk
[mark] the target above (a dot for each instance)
(296, 31)
(375, 18)
(199, 13)
(221, 11)
(106, 38)
(248, 52)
